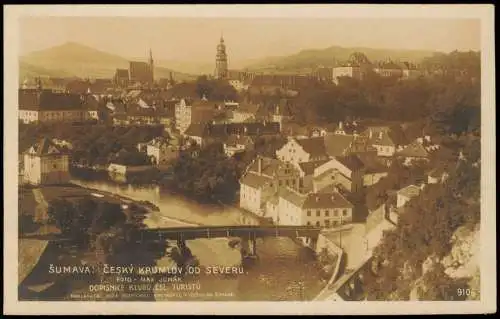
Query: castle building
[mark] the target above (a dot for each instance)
(221, 71)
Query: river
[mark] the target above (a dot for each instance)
(284, 270)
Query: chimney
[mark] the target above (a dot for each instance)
(259, 165)
(371, 133)
(340, 125)
(380, 135)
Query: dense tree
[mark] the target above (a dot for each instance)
(214, 89)
(85, 218)
(95, 144)
(210, 176)
(424, 229)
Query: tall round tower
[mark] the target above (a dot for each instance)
(221, 60)
(151, 66)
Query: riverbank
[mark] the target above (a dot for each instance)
(146, 207)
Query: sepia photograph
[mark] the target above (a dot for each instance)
(232, 157)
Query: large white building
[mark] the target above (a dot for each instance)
(36, 105)
(46, 163)
(316, 209)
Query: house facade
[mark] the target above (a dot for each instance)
(161, 152)
(47, 106)
(345, 171)
(262, 180)
(325, 210)
(301, 150)
(45, 163)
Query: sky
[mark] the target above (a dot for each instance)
(195, 39)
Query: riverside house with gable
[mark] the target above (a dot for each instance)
(46, 163)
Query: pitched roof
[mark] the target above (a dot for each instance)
(415, 149)
(337, 145)
(410, 191)
(196, 129)
(78, 86)
(254, 180)
(385, 135)
(309, 167)
(292, 196)
(326, 200)
(269, 166)
(48, 100)
(314, 200)
(44, 147)
(222, 130)
(352, 162)
(246, 107)
(315, 146)
(372, 163)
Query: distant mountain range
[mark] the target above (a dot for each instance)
(76, 60)
(307, 59)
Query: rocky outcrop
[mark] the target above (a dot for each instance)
(463, 260)
(461, 265)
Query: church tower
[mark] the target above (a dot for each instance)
(151, 66)
(221, 60)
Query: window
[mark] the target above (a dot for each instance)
(335, 213)
(317, 223)
(327, 223)
(308, 224)
(327, 213)
(318, 213)
(54, 165)
(344, 212)
(309, 213)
